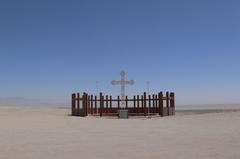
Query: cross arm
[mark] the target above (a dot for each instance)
(131, 82)
(114, 82)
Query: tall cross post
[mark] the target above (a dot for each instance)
(123, 83)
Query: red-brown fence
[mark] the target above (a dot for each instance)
(138, 105)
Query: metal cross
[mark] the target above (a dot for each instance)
(122, 82)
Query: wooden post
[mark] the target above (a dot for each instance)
(153, 101)
(84, 104)
(73, 103)
(101, 104)
(92, 104)
(118, 102)
(142, 104)
(95, 105)
(134, 104)
(145, 103)
(156, 104)
(149, 104)
(160, 102)
(167, 102)
(126, 102)
(78, 104)
(111, 104)
(138, 103)
(89, 102)
(107, 104)
(173, 95)
(172, 103)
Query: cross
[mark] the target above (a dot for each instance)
(122, 82)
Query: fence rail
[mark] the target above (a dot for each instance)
(138, 105)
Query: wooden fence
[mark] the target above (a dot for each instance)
(144, 105)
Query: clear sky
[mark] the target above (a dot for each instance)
(51, 48)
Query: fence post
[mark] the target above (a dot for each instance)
(92, 104)
(83, 104)
(149, 104)
(73, 103)
(118, 102)
(172, 104)
(95, 104)
(88, 104)
(126, 102)
(156, 104)
(167, 103)
(134, 104)
(111, 104)
(160, 101)
(107, 111)
(173, 96)
(145, 103)
(138, 103)
(142, 104)
(78, 104)
(101, 104)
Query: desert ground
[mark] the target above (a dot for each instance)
(47, 133)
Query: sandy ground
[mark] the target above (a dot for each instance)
(47, 133)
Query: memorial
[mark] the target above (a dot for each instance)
(139, 105)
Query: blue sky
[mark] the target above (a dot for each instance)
(50, 49)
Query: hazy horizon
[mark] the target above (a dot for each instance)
(22, 102)
(50, 49)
